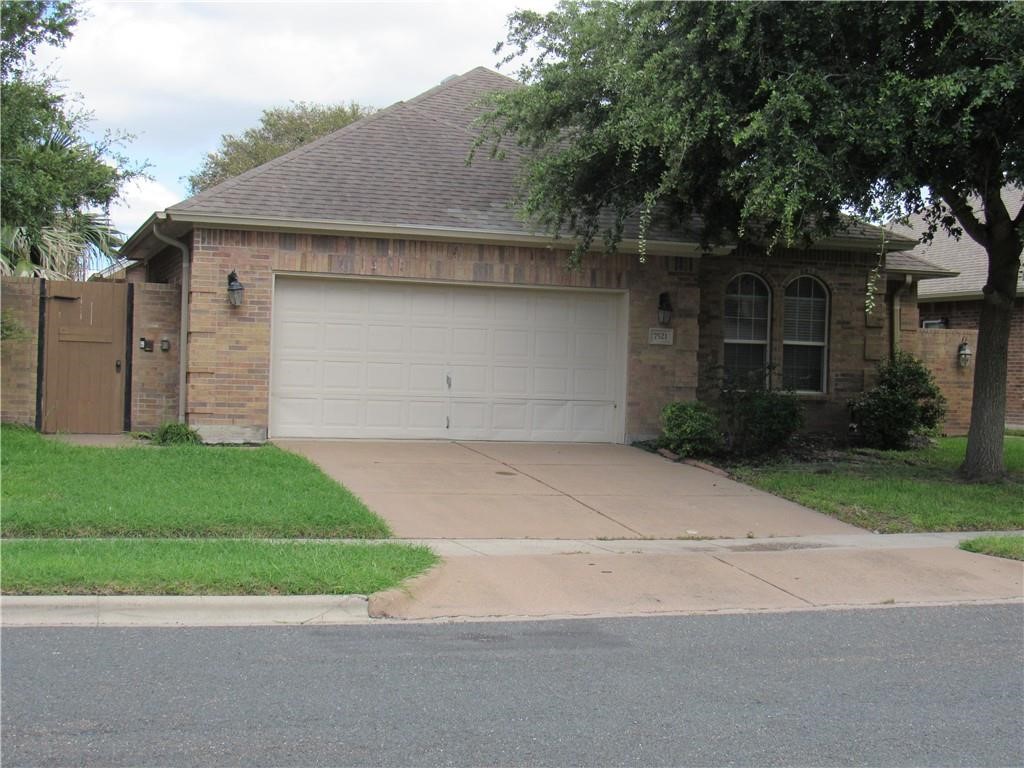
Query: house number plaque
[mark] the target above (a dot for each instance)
(663, 336)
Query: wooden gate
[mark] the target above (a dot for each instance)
(85, 364)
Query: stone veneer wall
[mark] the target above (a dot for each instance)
(856, 341)
(156, 316)
(965, 315)
(229, 347)
(19, 355)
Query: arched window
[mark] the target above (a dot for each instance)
(805, 336)
(745, 323)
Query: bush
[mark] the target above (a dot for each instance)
(905, 403)
(173, 433)
(690, 429)
(758, 421)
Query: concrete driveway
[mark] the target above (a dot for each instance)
(488, 490)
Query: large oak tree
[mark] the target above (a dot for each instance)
(772, 121)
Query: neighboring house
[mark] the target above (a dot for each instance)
(954, 302)
(391, 291)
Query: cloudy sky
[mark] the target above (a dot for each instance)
(178, 75)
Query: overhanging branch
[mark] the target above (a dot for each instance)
(965, 215)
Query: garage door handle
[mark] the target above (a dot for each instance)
(449, 380)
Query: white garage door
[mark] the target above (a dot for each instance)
(378, 359)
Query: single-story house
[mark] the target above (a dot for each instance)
(954, 302)
(390, 290)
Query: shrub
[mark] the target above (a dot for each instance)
(758, 421)
(690, 429)
(173, 433)
(905, 403)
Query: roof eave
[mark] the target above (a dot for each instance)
(425, 232)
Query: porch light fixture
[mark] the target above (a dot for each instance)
(963, 353)
(235, 290)
(664, 309)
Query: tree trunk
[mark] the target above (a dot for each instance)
(984, 459)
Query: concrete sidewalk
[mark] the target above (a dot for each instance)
(502, 578)
(561, 578)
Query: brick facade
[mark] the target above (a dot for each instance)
(965, 315)
(229, 347)
(19, 354)
(856, 341)
(156, 316)
(938, 349)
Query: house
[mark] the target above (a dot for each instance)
(954, 302)
(389, 290)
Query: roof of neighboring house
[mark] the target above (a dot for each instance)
(403, 171)
(965, 259)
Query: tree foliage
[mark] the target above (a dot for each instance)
(770, 120)
(55, 180)
(280, 130)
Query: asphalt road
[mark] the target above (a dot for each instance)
(896, 686)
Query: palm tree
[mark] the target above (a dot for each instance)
(70, 248)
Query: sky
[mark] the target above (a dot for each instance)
(178, 75)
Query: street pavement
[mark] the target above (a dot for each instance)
(882, 686)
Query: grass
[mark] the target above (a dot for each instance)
(1011, 547)
(51, 489)
(901, 491)
(206, 567)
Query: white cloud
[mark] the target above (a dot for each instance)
(141, 197)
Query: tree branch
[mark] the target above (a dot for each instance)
(965, 215)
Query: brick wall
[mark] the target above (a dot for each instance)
(965, 315)
(19, 355)
(856, 340)
(157, 312)
(938, 350)
(229, 347)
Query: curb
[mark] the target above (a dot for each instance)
(181, 611)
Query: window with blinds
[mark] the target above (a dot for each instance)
(745, 328)
(805, 335)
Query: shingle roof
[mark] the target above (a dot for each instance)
(909, 264)
(964, 257)
(405, 166)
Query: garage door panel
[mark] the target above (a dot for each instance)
(385, 338)
(511, 381)
(340, 375)
(387, 360)
(342, 337)
(425, 378)
(511, 344)
(386, 377)
(299, 374)
(550, 382)
(552, 310)
(552, 345)
(301, 335)
(429, 341)
(341, 413)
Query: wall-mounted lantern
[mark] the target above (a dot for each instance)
(664, 309)
(235, 290)
(963, 353)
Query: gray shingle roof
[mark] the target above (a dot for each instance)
(964, 257)
(405, 166)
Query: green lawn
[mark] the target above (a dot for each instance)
(51, 489)
(901, 491)
(206, 567)
(1011, 547)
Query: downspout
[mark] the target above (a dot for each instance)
(897, 319)
(186, 282)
